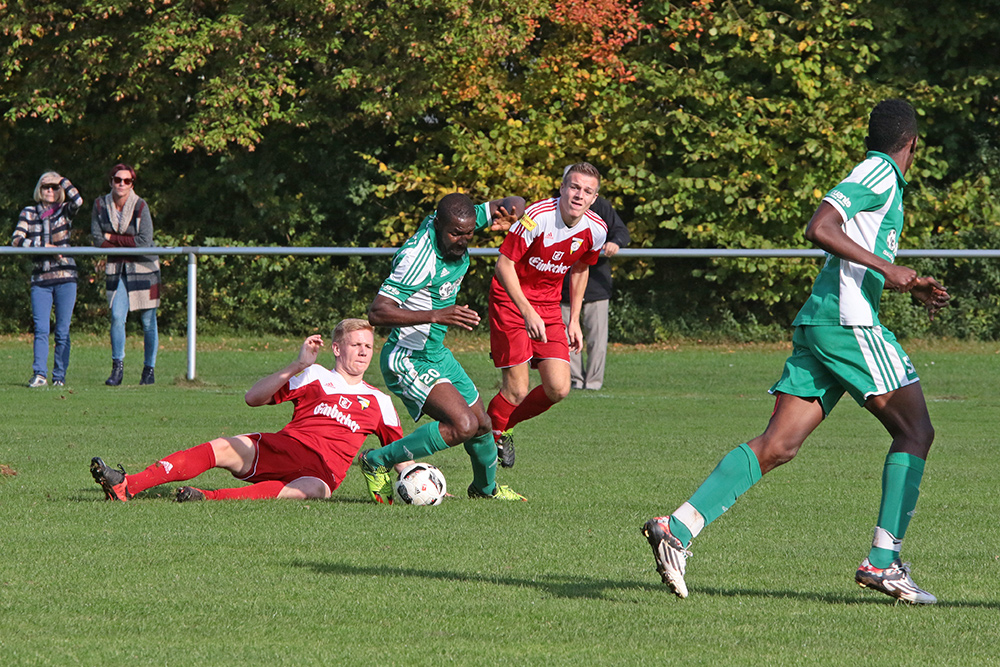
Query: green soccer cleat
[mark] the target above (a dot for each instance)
(500, 493)
(378, 479)
(505, 447)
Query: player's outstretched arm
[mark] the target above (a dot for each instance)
(505, 212)
(385, 312)
(262, 393)
(826, 230)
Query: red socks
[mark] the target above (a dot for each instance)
(499, 411)
(258, 491)
(534, 404)
(174, 468)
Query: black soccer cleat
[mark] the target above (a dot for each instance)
(188, 494)
(112, 481)
(505, 447)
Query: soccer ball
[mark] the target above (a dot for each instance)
(421, 484)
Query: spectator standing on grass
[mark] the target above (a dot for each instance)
(121, 219)
(556, 237)
(418, 301)
(839, 345)
(596, 298)
(334, 412)
(47, 224)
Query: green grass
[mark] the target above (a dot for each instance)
(563, 579)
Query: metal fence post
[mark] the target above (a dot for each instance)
(192, 313)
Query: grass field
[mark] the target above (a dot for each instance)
(564, 579)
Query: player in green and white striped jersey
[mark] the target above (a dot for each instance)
(418, 301)
(840, 346)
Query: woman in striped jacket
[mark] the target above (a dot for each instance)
(47, 224)
(120, 219)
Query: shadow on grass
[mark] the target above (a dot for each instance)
(584, 587)
(565, 587)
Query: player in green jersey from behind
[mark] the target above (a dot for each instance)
(418, 301)
(839, 345)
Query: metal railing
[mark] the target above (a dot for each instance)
(194, 251)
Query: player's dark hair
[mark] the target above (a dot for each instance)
(456, 206)
(582, 168)
(892, 125)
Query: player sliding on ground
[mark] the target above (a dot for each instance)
(839, 345)
(334, 412)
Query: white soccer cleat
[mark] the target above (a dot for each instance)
(671, 556)
(894, 581)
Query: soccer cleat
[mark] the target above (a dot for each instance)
(378, 479)
(671, 556)
(894, 581)
(499, 493)
(187, 494)
(112, 481)
(505, 447)
(37, 381)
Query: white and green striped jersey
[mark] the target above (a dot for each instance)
(422, 280)
(870, 201)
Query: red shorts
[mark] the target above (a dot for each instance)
(509, 341)
(284, 459)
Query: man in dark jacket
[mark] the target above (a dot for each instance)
(594, 318)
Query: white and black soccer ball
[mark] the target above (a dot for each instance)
(421, 484)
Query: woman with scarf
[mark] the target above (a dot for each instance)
(120, 219)
(48, 223)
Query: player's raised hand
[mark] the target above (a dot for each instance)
(456, 315)
(310, 350)
(503, 219)
(931, 293)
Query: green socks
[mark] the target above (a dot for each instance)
(900, 489)
(427, 439)
(483, 452)
(418, 445)
(737, 471)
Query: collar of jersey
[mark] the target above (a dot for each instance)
(899, 174)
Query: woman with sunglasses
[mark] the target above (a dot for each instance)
(47, 223)
(120, 219)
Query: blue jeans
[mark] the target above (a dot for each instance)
(63, 297)
(119, 311)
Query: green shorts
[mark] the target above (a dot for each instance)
(411, 374)
(826, 361)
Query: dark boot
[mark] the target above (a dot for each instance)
(117, 371)
(147, 375)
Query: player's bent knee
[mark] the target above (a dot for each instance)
(305, 488)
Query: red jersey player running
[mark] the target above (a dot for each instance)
(334, 412)
(554, 237)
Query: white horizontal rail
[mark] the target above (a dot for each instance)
(978, 253)
(194, 251)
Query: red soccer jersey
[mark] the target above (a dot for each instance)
(332, 417)
(543, 249)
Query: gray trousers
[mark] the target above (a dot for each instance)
(594, 322)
